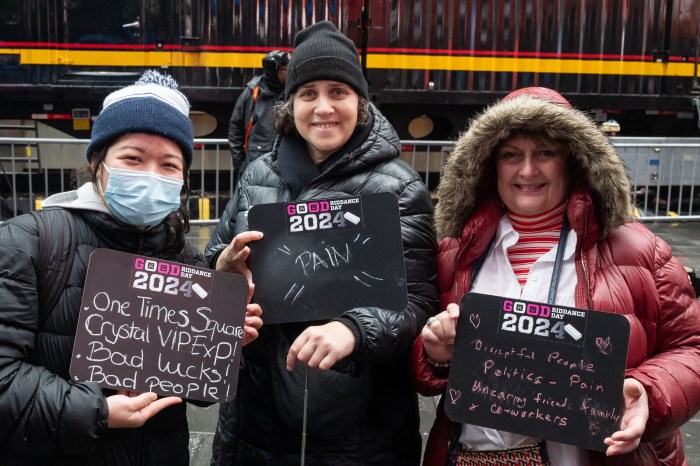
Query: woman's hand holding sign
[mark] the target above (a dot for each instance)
(234, 259)
(321, 346)
(235, 256)
(253, 322)
(634, 419)
(133, 411)
(439, 335)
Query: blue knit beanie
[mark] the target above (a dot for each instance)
(152, 105)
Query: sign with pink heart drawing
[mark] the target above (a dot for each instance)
(547, 371)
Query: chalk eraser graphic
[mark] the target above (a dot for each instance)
(352, 218)
(573, 333)
(200, 291)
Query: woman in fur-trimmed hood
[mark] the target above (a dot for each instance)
(468, 176)
(530, 176)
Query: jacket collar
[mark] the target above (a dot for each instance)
(371, 145)
(483, 223)
(121, 237)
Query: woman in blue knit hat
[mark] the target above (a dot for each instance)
(333, 144)
(138, 161)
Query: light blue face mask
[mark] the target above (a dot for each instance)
(141, 198)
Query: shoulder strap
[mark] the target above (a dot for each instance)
(256, 91)
(480, 261)
(57, 245)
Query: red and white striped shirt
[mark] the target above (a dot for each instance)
(536, 236)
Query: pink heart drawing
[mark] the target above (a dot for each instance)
(454, 395)
(475, 320)
(604, 345)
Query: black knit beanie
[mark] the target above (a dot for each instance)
(322, 52)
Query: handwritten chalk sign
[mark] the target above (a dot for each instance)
(323, 257)
(149, 325)
(550, 372)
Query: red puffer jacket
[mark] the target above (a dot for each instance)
(630, 272)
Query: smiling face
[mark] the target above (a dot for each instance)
(325, 115)
(531, 174)
(143, 152)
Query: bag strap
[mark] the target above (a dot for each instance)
(57, 245)
(254, 86)
(256, 91)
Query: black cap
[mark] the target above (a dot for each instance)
(322, 52)
(273, 61)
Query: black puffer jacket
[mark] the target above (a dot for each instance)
(369, 418)
(45, 418)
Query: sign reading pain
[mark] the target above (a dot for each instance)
(319, 258)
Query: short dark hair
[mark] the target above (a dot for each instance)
(283, 115)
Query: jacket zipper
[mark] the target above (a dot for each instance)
(584, 271)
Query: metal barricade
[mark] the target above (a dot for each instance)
(664, 174)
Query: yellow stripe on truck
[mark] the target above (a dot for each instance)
(528, 65)
(207, 59)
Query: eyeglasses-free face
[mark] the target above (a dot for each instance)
(531, 175)
(325, 115)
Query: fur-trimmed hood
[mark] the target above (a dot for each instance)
(599, 167)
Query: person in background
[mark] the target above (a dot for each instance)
(530, 169)
(138, 162)
(251, 131)
(333, 144)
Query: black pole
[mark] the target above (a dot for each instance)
(364, 35)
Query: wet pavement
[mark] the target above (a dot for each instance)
(684, 239)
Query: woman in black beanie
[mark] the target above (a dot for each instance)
(333, 144)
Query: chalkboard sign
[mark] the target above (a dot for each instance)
(550, 372)
(321, 258)
(149, 325)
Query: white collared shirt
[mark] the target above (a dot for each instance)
(497, 278)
